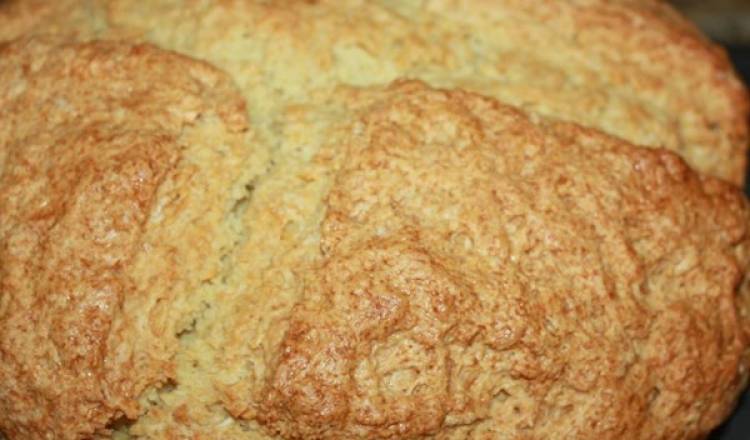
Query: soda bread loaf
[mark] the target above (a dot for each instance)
(368, 220)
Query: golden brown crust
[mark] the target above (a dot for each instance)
(86, 143)
(634, 68)
(18, 17)
(371, 261)
(79, 19)
(485, 275)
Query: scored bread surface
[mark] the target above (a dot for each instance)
(634, 69)
(442, 200)
(111, 188)
(274, 233)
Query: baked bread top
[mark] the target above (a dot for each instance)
(635, 69)
(279, 241)
(110, 189)
(483, 274)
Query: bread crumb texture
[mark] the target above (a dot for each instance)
(443, 219)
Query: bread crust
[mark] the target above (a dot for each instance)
(441, 219)
(484, 274)
(634, 69)
(79, 19)
(89, 154)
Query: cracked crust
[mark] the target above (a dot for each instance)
(98, 179)
(635, 69)
(486, 275)
(372, 260)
